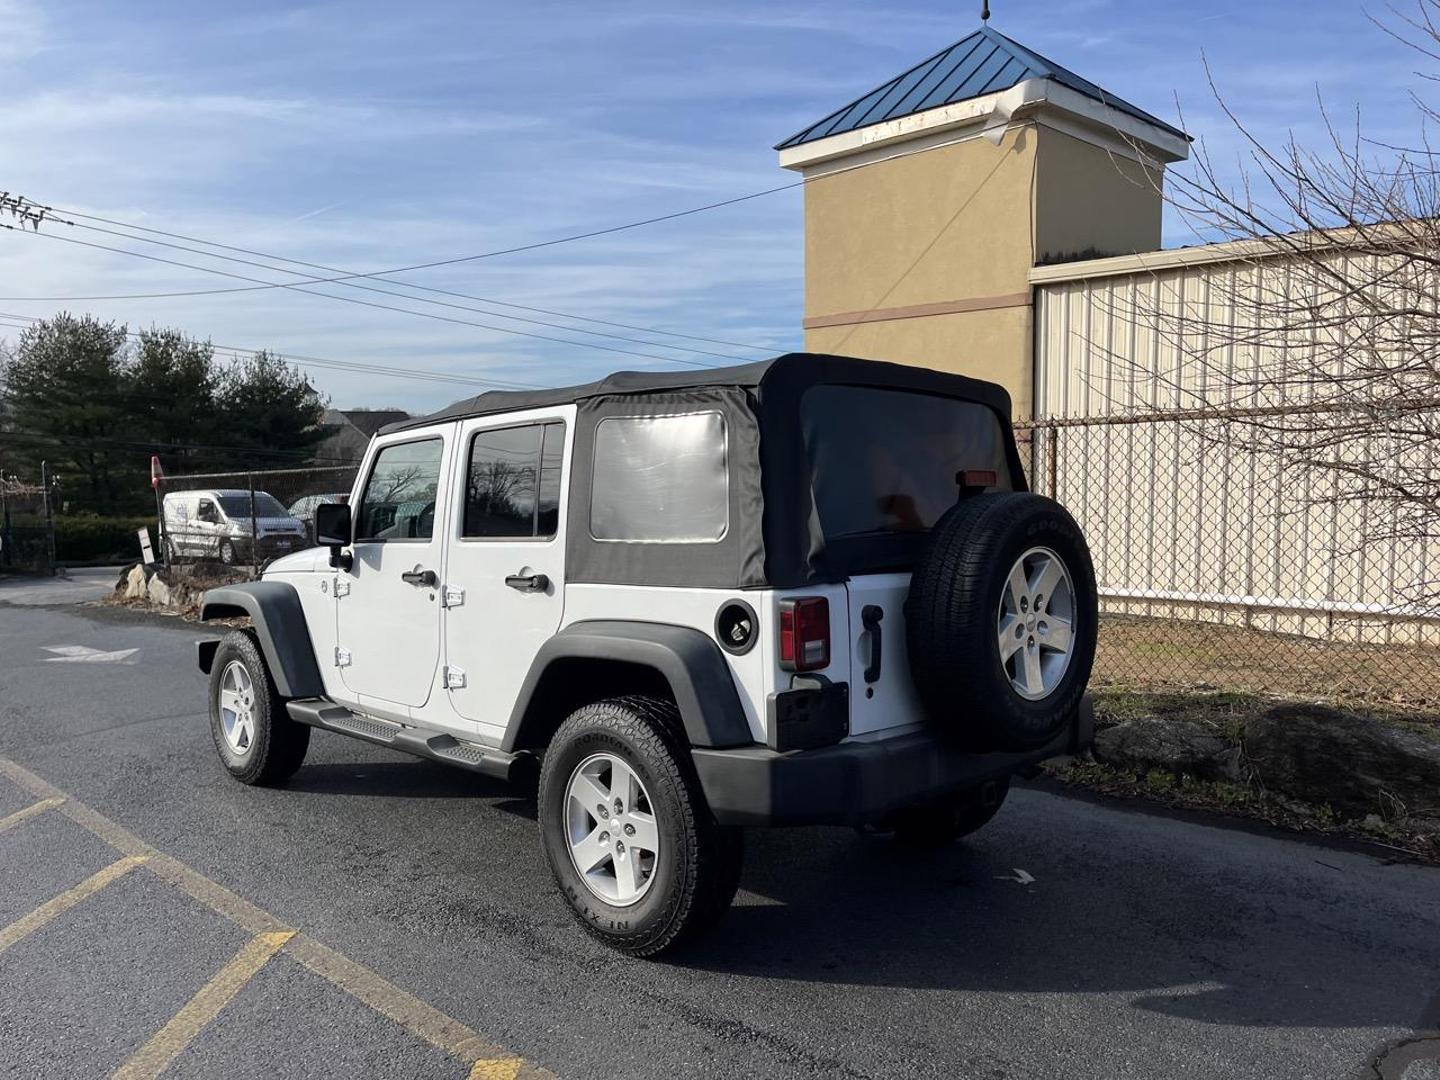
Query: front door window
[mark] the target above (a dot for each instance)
(399, 498)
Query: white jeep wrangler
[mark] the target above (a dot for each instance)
(806, 591)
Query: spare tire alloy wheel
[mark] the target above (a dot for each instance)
(1037, 612)
(614, 839)
(1000, 622)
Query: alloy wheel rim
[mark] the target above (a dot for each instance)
(611, 830)
(237, 708)
(1035, 623)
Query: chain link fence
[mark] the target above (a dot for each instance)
(1220, 568)
(244, 519)
(1217, 569)
(27, 527)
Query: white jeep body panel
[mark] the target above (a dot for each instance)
(389, 628)
(889, 702)
(492, 632)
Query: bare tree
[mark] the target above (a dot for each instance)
(1320, 348)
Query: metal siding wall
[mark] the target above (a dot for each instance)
(1173, 517)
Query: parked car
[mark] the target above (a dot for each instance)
(216, 524)
(812, 590)
(303, 510)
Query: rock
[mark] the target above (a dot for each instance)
(159, 592)
(135, 583)
(1176, 746)
(1355, 765)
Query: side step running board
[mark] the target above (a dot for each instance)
(324, 713)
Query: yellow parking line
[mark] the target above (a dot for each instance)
(169, 1042)
(425, 1021)
(496, 1069)
(56, 906)
(29, 812)
(486, 1060)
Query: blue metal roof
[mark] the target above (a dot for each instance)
(983, 63)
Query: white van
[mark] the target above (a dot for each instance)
(216, 524)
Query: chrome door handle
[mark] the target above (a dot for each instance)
(528, 582)
(424, 579)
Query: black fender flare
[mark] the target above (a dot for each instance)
(688, 659)
(279, 621)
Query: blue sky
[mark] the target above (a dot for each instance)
(366, 135)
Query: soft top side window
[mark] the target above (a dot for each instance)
(398, 502)
(661, 479)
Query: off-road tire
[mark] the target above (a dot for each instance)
(951, 619)
(698, 868)
(942, 823)
(280, 743)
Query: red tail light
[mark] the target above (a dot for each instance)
(805, 634)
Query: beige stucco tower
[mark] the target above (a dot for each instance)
(929, 200)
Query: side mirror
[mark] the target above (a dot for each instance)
(333, 530)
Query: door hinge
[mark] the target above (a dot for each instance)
(454, 678)
(453, 596)
(342, 586)
(342, 657)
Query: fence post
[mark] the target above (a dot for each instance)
(49, 518)
(6, 540)
(160, 523)
(254, 525)
(1052, 463)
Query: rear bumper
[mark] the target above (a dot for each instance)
(858, 782)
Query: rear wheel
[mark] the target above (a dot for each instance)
(626, 830)
(227, 553)
(941, 823)
(257, 741)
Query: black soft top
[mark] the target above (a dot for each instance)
(791, 373)
(773, 536)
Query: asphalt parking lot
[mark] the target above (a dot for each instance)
(382, 916)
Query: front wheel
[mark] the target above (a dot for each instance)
(257, 741)
(626, 830)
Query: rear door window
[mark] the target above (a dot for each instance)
(512, 482)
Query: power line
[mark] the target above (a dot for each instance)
(310, 278)
(35, 213)
(356, 300)
(484, 254)
(387, 274)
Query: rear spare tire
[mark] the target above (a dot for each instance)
(1001, 621)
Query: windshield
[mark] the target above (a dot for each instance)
(885, 461)
(266, 505)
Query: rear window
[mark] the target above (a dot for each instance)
(884, 461)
